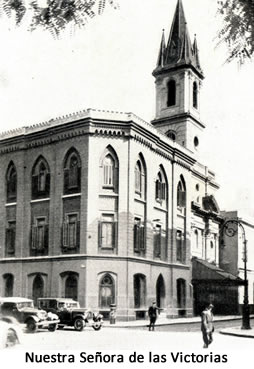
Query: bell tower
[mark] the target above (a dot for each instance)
(178, 78)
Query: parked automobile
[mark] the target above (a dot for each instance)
(70, 313)
(24, 311)
(10, 332)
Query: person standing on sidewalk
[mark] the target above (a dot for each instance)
(207, 327)
(152, 313)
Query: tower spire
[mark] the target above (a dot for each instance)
(161, 56)
(179, 50)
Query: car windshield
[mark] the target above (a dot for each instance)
(22, 305)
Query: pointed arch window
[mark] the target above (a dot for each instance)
(195, 95)
(11, 183)
(171, 93)
(139, 291)
(106, 291)
(72, 173)
(140, 179)
(181, 194)
(108, 171)
(40, 179)
(160, 188)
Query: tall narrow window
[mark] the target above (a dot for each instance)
(157, 235)
(139, 235)
(72, 172)
(139, 291)
(39, 241)
(40, 179)
(108, 171)
(195, 95)
(160, 188)
(71, 231)
(10, 238)
(138, 177)
(196, 238)
(8, 285)
(180, 247)
(106, 292)
(11, 183)
(181, 194)
(181, 296)
(107, 232)
(38, 288)
(71, 286)
(171, 93)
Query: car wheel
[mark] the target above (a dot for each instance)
(31, 326)
(79, 324)
(96, 326)
(52, 327)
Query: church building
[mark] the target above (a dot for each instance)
(107, 208)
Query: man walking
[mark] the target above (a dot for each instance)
(207, 327)
(152, 313)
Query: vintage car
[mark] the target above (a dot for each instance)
(10, 332)
(70, 313)
(24, 311)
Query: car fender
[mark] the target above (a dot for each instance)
(34, 317)
(79, 317)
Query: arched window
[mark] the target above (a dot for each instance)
(160, 187)
(181, 193)
(171, 93)
(72, 172)
(195, 95)
(38, 288)
(40, 179)
(106, 291)
(71, 286)
(181, 296)
(8, 285)
(140, 178)
(172, 135)
(109, 170)
(139, 291)
(160, 292)
(11, 183)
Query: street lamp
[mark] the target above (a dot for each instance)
(230, 232)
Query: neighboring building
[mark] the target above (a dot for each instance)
(232, 253)
(107, 208)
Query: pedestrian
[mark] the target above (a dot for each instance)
(152, 313)
(207, 327)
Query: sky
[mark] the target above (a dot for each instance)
(108, 65)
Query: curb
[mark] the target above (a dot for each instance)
(236, 334)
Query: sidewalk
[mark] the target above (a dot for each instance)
(238, 332)
(174, 321)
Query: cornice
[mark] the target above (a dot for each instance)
(94, 257)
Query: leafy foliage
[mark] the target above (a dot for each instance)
(238, 28)
(55, 15)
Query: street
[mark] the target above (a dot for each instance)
(128, 339)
